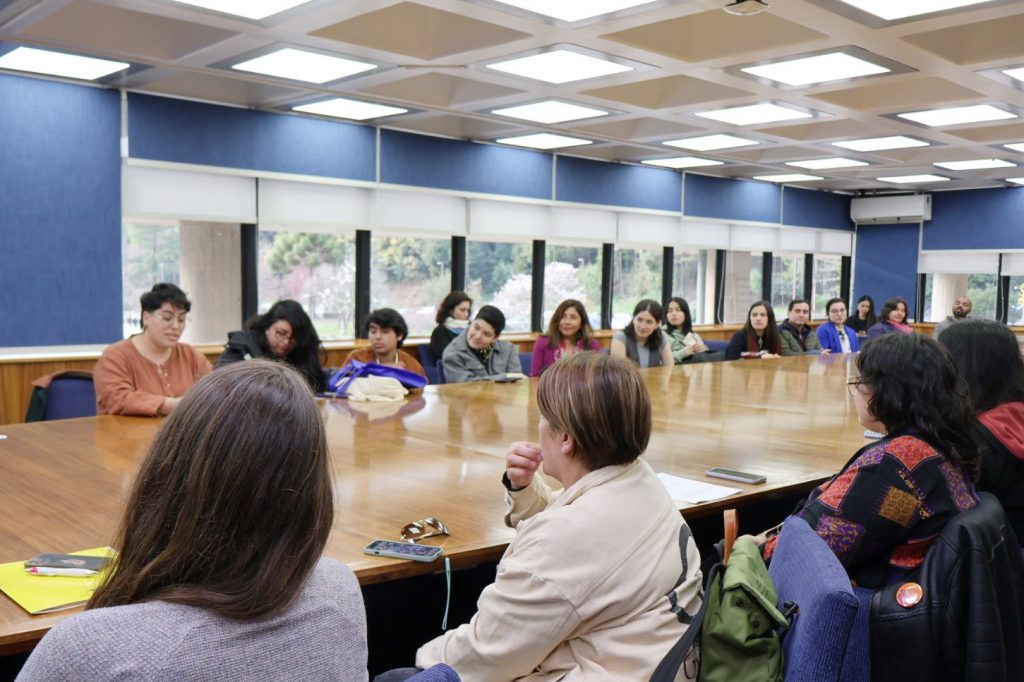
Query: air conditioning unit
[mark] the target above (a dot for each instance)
(898, 208)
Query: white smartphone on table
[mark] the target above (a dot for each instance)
(403, 550)
(733, 475)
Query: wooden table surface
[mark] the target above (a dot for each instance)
(439, 454)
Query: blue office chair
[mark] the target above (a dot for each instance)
(428, 361)
(806, 572)
(716, 345)
(526, 360)
(440, 372)
(68, 395)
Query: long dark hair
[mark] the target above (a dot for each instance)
(444, 311)
(584, 336)
(651, 306)
(308, 354)
(232, 504)
(871, 320)
(687, 325)
(988, 360)
(891, 305)
(772, 338)
(915, 387)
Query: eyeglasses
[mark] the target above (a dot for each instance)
(425, 528)
(851, 383)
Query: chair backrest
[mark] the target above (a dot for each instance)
(716, 345)
(806, 572)
(428, 361)
(526, 360)
(70, 395)
(440, 372)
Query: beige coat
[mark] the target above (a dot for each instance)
(581, 593)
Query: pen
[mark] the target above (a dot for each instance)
(68, 572)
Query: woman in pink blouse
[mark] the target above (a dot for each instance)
(569, 332)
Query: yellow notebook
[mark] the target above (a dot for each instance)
(44, 594)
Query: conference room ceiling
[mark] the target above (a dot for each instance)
(677, 59)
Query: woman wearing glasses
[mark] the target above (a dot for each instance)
(586, 588)
(883, 510)
(835, 335)
(284, 332)
(146, 374)
(219, 574)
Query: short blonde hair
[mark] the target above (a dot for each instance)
(602, 402)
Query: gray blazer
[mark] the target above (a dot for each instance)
(461, 364)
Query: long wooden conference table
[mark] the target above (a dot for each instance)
(440, 453)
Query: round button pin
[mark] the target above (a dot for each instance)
(909, 595)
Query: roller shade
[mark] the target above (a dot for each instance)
(188, 195)
(318, 207)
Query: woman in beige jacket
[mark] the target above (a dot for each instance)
(583, 591)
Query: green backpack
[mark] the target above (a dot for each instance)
(739, 625)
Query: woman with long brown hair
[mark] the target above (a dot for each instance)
(569, 332)
(759, 337)
(219, 574)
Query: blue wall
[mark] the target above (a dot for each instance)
(976, 219)
(60, 213)
(422, 161)
(811, 208)
(175, 130)
(709, 197)
(615, 184)
(886, 264)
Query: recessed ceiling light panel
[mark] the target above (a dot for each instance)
(978, 113)
(300, 65)
(573, 10)
(559, 66)
(878, 144)
(788, 177)
(1016, 181)
(352, 109)
(683, 162)
(753, 114)
(709, 143)
(544, 141)
(1016, 146)
(828, 164)
(59, 64)
(1016, 74)
(550, 111)
(913, 179)
(901, 9)
(247, 9)
(974, 164)
(817, 69)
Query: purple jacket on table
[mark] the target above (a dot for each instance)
(544, 355)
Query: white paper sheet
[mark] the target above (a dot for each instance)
(694, 492)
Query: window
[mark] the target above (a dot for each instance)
(150, 253)
(941, 291)
(572, 272)
(501, 274)
(636, 275)
(787, 282)
(317, 270)
(689, 280)
(825, 284)
(410, 275)
(743, 276)
(1016, 302)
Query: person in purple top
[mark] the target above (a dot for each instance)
(569, 332)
